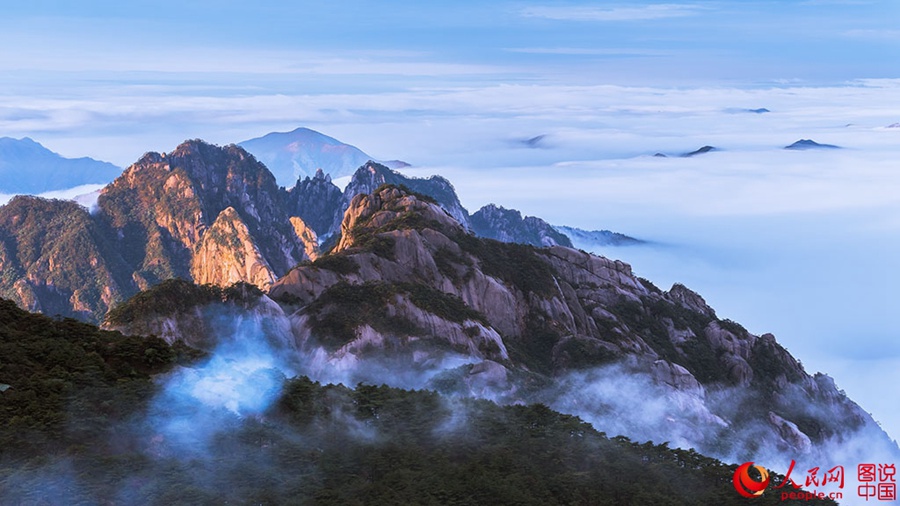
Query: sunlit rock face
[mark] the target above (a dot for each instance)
(202, 212)
(160, 208)
(227, 253)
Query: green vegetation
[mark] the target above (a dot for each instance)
(520, 265)
(330, 445)
(376, 241)
(447, 306)
(695, 354)
(174, 296)
(381, 245)
(647, 284)
(344, 307)
(449, 263)
(72, 431)
(337, 263)
(733, 327)
(68, 377)
(37, 233)
(407, 190)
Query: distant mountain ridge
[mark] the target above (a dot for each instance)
(508, 225)
(204, 213)
(588, 239)
(804, 144)
(293, 155)
(27, 167)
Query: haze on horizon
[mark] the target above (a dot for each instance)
(804, 245)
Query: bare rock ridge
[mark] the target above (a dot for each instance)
(507, 225)
(408, 286)
(202, 212)
(151, 225)
(316, 200)
(228, 254)
(372, 175)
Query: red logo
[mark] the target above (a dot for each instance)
(747, 485)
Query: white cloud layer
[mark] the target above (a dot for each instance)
(803, 244)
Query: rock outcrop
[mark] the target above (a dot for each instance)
(317, 201)
(307, 237)
(227, 253)
(590, 239)
(372, 175)
(507, 225)
(546, 313)
(161, 206)
(151, 224)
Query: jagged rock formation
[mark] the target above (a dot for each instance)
(161, 206)
(409, 285)
(372, 175)
(28, 167)
(317, 201)
(307, 236)
(205, 213)
(202, 212)
(546, 312)
(507, 225)
(227, 254)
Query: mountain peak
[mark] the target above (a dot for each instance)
(372, 175)
(810, 144)
(28, 167)
(508, 225)
(388, 208)
(301, 152)
(700, 151)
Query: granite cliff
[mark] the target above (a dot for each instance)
(409, 296)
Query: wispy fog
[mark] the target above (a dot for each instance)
(802, 244)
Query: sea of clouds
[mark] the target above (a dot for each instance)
(802, 244)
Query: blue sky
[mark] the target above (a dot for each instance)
(816, 41)
(802, 245)
(113, 79)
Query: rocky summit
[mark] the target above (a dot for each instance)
(496, 222)
(203, 213)
(410, 298)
